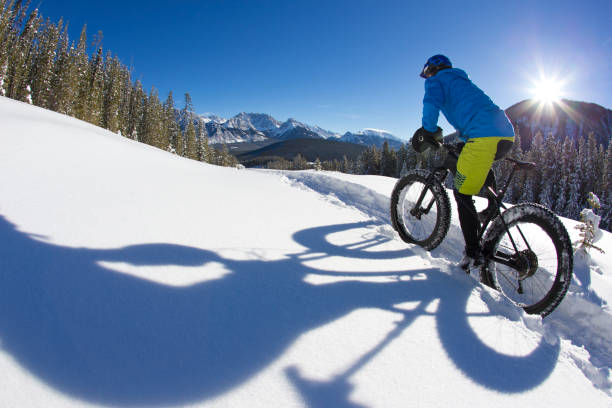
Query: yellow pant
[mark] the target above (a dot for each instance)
(474, 163)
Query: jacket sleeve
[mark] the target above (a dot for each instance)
(431, 105)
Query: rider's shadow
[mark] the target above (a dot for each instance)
(116, 339)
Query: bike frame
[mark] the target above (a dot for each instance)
(440, 173)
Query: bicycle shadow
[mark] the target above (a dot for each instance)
(115, 339)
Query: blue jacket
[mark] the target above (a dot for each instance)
(464, 105)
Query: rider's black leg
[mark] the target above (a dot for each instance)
(468, 218)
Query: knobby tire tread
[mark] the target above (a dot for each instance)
(442, 204)
(550, 223)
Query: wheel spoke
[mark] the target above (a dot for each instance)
(534, 263)
(419, 210)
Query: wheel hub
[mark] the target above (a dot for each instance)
(526, 263)
(416, 212)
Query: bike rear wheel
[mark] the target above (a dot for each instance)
(420, 210)
(531, 261)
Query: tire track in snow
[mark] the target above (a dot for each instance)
(354, 195)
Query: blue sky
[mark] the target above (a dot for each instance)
(349, 65)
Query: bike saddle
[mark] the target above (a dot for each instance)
(521, 164)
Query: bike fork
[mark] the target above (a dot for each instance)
(416, 211)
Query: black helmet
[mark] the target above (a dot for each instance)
(435, 64)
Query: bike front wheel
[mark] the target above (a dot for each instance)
(420, 210)
(529, 258)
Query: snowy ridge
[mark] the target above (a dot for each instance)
(161, 281)
(325, 134)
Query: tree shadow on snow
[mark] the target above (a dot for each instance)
(116, 339)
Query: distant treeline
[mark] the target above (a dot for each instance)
(39, 64)
(565, 175)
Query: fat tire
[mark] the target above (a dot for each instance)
(550, 223)
(442, 204)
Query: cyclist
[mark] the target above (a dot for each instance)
(482, 125)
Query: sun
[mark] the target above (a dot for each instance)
(547, 90)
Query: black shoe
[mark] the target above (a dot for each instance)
(484, 214)
(469, 262)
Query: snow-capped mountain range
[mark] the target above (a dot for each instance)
(564, 118)
(255, 127)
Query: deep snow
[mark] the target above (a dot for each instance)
(132, 277)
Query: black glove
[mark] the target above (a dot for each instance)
(424, 139)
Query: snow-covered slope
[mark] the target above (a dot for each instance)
(132, 277)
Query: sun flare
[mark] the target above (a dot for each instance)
(548, 90)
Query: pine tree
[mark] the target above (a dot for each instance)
(42, 70)
(150, 127)
(574, 202)
(347, 165)
(191, 150)
(560, 204)
(599, 163)
(590, 164)
(125, 97)
(547, 195)
(529, 189)
(401, 155)
(6, 38)
(388, 161)
(111, 93)
(606, 178)
(299, 163)
(82, 69)
(370, 161)
(64, 78)
(606, 186)
(532, 178)
(206, 149)
(188, 109)
(550, 173)
(224, 158)
(21, 56)
(565, 167)
(136, 109)
(605, 212)
(411, 158)
(170, 124)
(404, 170)
(10, 21)
(96, 89)
(178, 145)
(157, 125)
